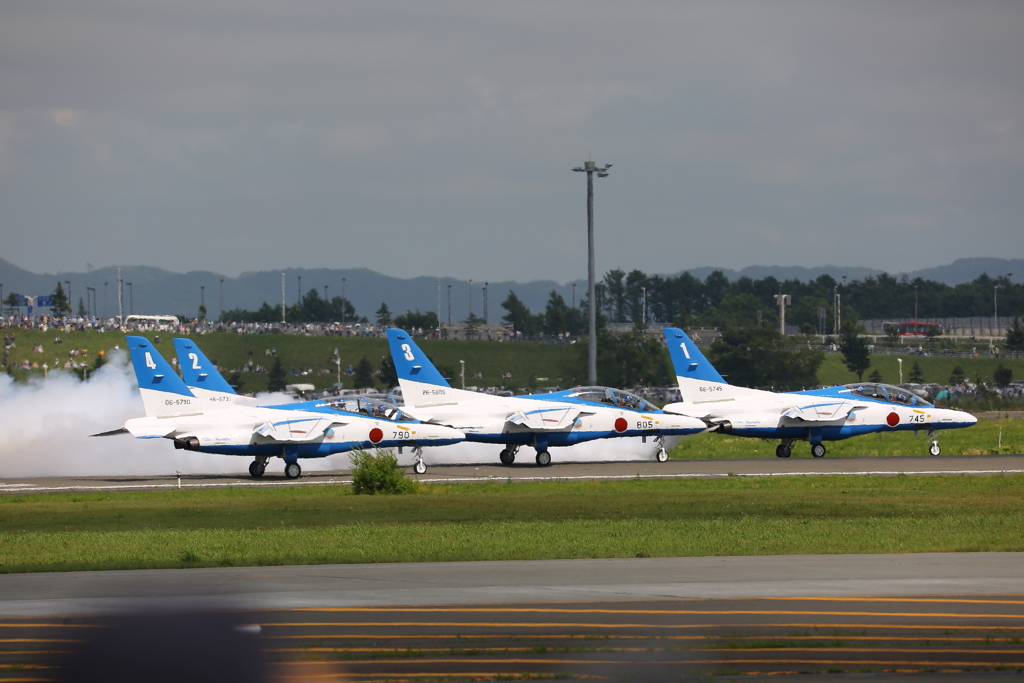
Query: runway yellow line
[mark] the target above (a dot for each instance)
(3, 625)
(685, 662)
(972, 601)
(540, 610)
(919, 650)
(568, 624)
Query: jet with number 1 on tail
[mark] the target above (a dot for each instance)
(816, 416)
(562, 418)
(261, 432)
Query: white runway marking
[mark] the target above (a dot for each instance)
(455, 480)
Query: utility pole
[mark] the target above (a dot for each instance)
(485, 302)
(438, 308)
(782, 300)
(344, 305)
(283, 302)
(915, 303)
(120, 306)
(105, 300)
(590, 168)
(449, 304)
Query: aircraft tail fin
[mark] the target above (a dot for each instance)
(163, 392)
(688, 360)
(411, 364)
(197, 370)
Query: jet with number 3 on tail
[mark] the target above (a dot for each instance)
(816, 416)
(290, 431)
(541, 421)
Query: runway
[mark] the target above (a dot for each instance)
(527, 471)
(619, 619)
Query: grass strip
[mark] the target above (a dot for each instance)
(502, 521)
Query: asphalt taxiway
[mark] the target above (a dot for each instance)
(528, 471)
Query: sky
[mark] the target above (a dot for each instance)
(437, 138)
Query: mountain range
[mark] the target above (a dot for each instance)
(155, 290)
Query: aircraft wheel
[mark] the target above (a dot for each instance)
(256, 469)
(782, 451)
(662, 455)
(543, 458)
(292, 470)
(934, 448)
(420, 467)
(818, 450)
(507, 457)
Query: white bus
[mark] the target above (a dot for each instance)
(152, 323)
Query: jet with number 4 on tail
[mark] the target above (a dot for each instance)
(542, 421)
(829, 414)
(292, 431)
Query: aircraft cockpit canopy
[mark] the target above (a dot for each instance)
(611, 397)
(381, 407)
(887, 393)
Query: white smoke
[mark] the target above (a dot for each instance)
(46, 426)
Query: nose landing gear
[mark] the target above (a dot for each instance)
(419, 467)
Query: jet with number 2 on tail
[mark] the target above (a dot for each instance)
(829, 414)
(562, 418)
(289, 431)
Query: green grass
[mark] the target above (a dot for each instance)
(636, 518)
(934, 368)
(980, 439)
(525, 361)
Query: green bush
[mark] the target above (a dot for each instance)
(379, 473)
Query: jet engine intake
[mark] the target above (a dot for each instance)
(724, 427)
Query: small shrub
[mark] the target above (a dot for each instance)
(379, 473)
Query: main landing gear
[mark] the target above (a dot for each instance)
(543, 458)
(508, 455)
(292, 470)
(785, 449)
(258, 466)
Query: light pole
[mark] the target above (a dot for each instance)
(995, 307)
(782, 300)
(643, 307)
(344, 305)
(589, 167)
(283, 302)
(105, 300)
(438, 308)
(915, 303)
(449, 304)
(131, 299)
(485, 302)
(120, 299)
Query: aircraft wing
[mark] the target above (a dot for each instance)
(300, 429)
(832, 411)
(555, 418)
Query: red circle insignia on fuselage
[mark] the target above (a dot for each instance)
(621, 424)
(376, 435)
(892, 419)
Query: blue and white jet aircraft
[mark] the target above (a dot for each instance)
(290, 431)
(829, 414)
(563, 418)
(204, 380)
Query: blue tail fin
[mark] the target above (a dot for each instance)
(197, 369)
(411, 364)
(163, 392)
(687, 359)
